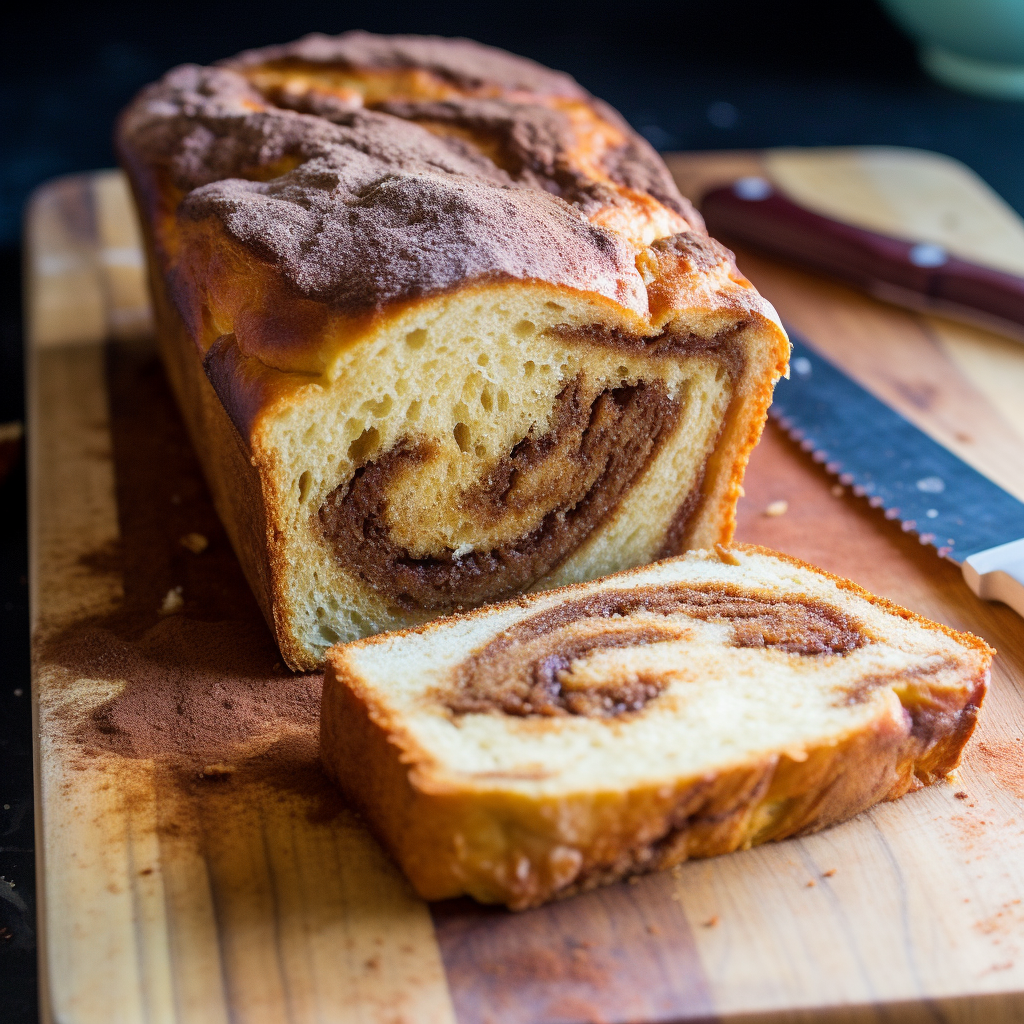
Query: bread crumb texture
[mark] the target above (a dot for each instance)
(686, 709)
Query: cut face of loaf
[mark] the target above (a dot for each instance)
(442, 329)
(686, 709)
(491, 443)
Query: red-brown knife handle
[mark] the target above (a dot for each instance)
(754, 212)
(982, 288)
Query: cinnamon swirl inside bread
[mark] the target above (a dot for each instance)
(685, 709)
(441, 326)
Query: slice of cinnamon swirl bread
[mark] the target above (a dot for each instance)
(441, 326)
(697, 706)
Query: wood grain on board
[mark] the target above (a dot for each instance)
(245, 891)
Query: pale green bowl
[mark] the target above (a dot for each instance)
(973, 45)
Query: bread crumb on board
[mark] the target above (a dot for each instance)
(194, 542)
(777, 508)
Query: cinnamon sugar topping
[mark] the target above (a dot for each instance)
(366, 169)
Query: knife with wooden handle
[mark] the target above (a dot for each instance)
(920, 275)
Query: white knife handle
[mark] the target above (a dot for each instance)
(998, 574)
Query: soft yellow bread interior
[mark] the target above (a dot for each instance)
(722, 703)
(683, 709)
(451, 388)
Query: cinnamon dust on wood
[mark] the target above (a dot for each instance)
(1004, 761)
(204, 686)
(193, 690)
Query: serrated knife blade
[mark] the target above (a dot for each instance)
(901, 470)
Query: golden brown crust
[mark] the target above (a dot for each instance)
(460, 64)
(431, 820)
(229, 466)
(244, 170)
(262, 222)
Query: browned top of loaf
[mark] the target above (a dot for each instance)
(364, 169)
(464, 63)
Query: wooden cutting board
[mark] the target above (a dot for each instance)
(247, 892)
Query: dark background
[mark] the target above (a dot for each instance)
(688, 75)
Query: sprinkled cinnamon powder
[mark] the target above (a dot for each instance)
(346, 224)
(197, 705)
(200, 688)
(1004, 760)
(551, 966)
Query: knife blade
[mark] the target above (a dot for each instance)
(921, 275)
(901, 470)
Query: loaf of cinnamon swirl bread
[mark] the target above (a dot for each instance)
(442, 328)
(689, 708)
